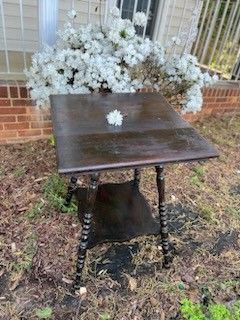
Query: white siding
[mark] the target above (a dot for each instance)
(172, 16)
(175, 17)
(13, 25)
(30, 20)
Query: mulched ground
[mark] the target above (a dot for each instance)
(124, 281)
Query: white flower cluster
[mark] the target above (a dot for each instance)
(140, 19)
(115, 118)
(185, 73)
(104, 59)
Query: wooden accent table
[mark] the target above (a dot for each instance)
(152, 134)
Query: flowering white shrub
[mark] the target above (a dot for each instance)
(113, 58)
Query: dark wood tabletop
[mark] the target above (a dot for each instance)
(152, 133)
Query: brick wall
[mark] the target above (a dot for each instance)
(21, 121)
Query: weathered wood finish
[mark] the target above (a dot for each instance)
(152, 133)
(86, 228)
(163, 217)
(120, 213)
(137, 177)
(71, 190)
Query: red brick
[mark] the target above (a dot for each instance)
(43, 124)
(16, 126)
(14, 92)
(8, 134)
(210, 91)
(12, 110)
(228, 92)
(3, 141)
(224, 105)
(7, 118)
(207, 111)
(23, 92)
(218, 111)
(209, 99)
(22, 102)
(1, 126)
(207, 105)
(47, 131)
(5, 102)
(46, 117)
(31, 117)
(3, 92)
(236, 92)
(221, 99)
(29, 133)
(205, 92)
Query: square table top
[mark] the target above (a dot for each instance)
(152, 133)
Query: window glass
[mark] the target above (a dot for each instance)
(127, 13)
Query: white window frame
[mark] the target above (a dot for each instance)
(48, 21)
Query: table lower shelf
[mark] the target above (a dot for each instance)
(120, 213)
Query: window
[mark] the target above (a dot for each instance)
(128, 8)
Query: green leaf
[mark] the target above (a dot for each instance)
(181, 286)
(51, 140)
(191, 311)
(44, 313)
(105, 316)
(219, 312)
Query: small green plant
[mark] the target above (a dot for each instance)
(35, 211)
(51, 140)
(199, 171)
(19, 172)
(195, 181)
(25, 257)
(197, 178)
(55, 191)
(219, 312)
(206, 210)
(1, 171)
(196, 311)
(44, 313)
(191, 311)
(105, 316)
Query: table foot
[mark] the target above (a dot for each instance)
(86, 228)
(71, 190)
(137, 176)
(163, 218)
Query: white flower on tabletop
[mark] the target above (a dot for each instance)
(115, 118)
(72, 14)
(140, 19)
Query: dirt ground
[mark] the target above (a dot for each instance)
(38, 241)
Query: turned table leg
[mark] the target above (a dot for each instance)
(71, 189)
(86, 228)
(163, 217)
(137, 176)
